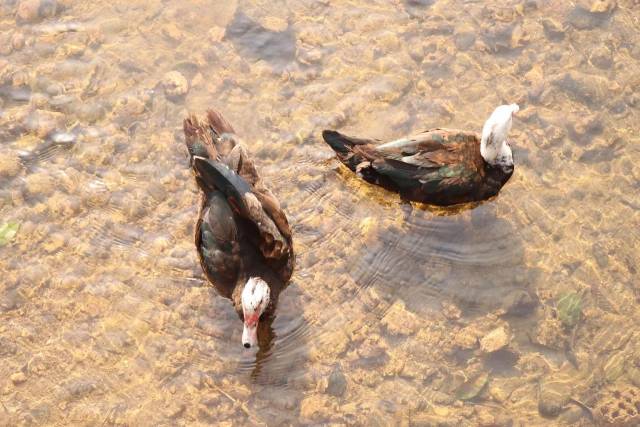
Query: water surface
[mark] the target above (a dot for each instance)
(390, 318)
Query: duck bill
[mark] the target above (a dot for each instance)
(250, 335)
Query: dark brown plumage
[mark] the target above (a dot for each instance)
(241, 231)
(439, 166)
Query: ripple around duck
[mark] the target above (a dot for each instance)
(450, 257)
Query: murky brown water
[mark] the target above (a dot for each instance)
(521, 311)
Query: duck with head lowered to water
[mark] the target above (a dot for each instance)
(438, 166)
(242, 235)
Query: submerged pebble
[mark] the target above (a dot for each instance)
(583, 19)
(465, 37)
(553, 396)
(35, 10)
(553, 29)
(601, 57)
(10, 164)
(18, 378)
(175, 84)
(495, 340)
(254, 40)
(337, 383)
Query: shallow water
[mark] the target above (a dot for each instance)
(433, 317)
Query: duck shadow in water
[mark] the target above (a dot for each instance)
(468, 256)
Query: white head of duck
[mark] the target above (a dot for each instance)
(494, 146)
(255, 299)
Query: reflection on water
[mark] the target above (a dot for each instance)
(428, 317)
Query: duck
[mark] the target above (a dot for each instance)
(242, 235)
(438, 166)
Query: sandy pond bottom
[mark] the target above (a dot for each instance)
(521, 311)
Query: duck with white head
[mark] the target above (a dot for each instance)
(241, 232)
(439, 166)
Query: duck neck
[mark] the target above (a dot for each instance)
(495, 153)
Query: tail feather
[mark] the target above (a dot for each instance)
(344, 146)
(218, 123)
(214, 174)
(198, 139)
(211, 138)
(338, 142)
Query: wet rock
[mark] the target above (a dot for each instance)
(465, 37)
(583, 19)
(89, 112)
(519, 303)
(252, 39)
(520, 35)
(495, 340)
(619, 407)
(587, 127)
(423, 3)
(172, 32)
(472, 387)
(618, 107)
(314, 408)
(39, 184)
(467, 338)
(554, 395)
(175, 85)
(337, 383)
(127, 108)
(499, 37)
(10, 165)
(370, 355)
(451, 311)
(35, 10)
(602, 6)
(17, 40)
(18, 378)
(585, 88)
(553, 29)
(550, 333)
(400, 321)
(525, 65)
(602, 152)
(573, 416)
(311, 55)
(418, 8)
(415, 48)
(80, 387)
(40, 414)
(7, 347)
(613, 368)
(54, 243)
(601, 57)
(600, 254)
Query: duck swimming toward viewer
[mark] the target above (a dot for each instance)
(242, 235)
(438, 166)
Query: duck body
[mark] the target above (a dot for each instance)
(241, 232)
(439, 166)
